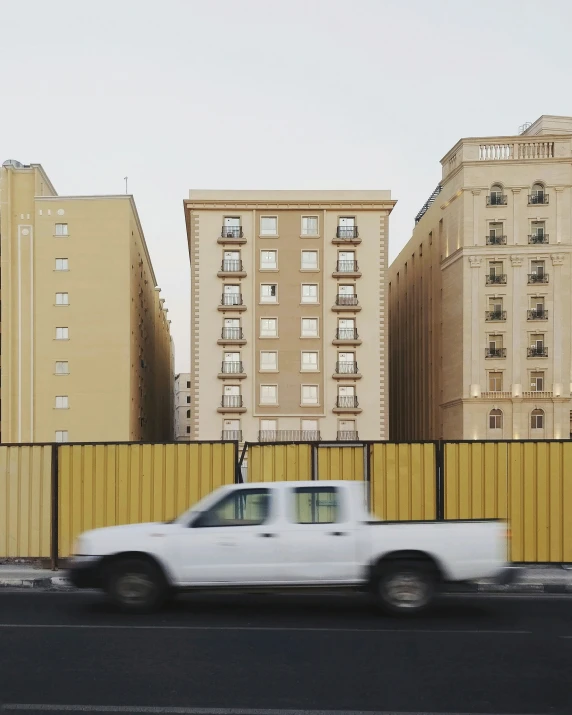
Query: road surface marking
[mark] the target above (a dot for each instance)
(31, 707)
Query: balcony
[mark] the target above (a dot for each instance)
(234, 369)
(346, 370)
(495, 353)
(346, 269)
(231, 403)
(538, 197)
(346, 336)
(537, 351)
(231, 234)
(231, 302)
(289, 435)
(231, 268)
(347, 235)
(346, 302)
(496, 279)
(539, 314)
(346, 403)
(347, 436)
(496, 240)
(496, 200)
(537, 394)
(536, 238)
(233, 435)
(231, 336)
(537, 278)
(497, 394)
(492, 316)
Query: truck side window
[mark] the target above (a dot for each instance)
(245, 507)
(316, 505)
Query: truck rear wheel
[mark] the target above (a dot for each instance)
(135, 585)
(404, 587)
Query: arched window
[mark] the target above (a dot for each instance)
(538, 194)
(496, 197)
(537, 419)
(495, 419)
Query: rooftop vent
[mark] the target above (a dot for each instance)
(524, 127)
(13, 162)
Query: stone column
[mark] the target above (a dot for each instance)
(517, 317)
(559, 199)
(476, 346)
(476, 193)
(515, 224)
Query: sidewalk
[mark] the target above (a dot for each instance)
(528, 579)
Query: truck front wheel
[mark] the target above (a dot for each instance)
(135, 585)
(404, 587)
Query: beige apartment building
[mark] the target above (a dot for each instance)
(86, 348)
(288, 314)
(183, 407)
(480, 299)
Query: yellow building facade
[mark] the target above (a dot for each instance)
(86, 347)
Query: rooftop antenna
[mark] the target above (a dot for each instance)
(125, 179)
(524, 127)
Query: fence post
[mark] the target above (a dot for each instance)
(367, 469)
(314, 461)
(239, 460)
(54, 541)
(440, 477)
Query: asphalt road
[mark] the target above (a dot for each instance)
(69, 652)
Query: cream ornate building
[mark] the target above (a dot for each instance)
(86, 348)
(288, 314)
(480, 299)
(183, 407)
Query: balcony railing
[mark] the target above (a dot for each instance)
(536, 351)
(494, 315)
(496, 240)
(231, 299)
(232, 434)
(539, 314)
(347, 232)
(496, 279)
(347, 267)
(346, 299)
(289, 435)
(231, 266)
(232, 367)
(495, 352)
(231, 232)
(347, 334)
(496, 200)
(347, 436)
(232, 334)
(538, 277)
(538, 238)
(537, 394)
(346, 368)
(347, 401)
(538, 197)
(231, 401)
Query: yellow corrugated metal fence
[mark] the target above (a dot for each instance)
(279, 462)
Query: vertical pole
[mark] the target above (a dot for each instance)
(54, 541)
(367, 476)
(314, 461)
(440, 477)
(238, 476)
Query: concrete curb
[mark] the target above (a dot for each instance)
(60, 583)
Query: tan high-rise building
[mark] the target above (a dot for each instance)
(86, 349)
(480, 299)
(183, 407)
(288, 314)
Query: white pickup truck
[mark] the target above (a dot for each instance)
(288, 535)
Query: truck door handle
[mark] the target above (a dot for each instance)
(338, 533)
(267, 535)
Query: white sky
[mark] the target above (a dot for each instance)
(284, 94)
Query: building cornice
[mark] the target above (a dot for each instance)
(249, 205)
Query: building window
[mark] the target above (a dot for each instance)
(188, 430)
(495, 349)
(268, 225)
(538, 195)
(62, 402)
(188, 414)
(62, 264)
(309, 394)
(231, 227)
(62, 299)
(537, 381)
(496, 236)
(496, 197)
(268, 327)
(346, 329)
(268, 360)
(309, 361)
(538, 232)
(309, 293)
(268, 394)
(62, 229)
(495, 381)
(62, 334)
(537, 419)
(309, 327)
(62, 435)
(495, 419)
(188, 384)
(62, 367)
(309, 260)
(268, 293)
(188, 399)
(347, 227)
(309, 225)
(268, 260)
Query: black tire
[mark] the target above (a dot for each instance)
(404, 587)
(135, 585)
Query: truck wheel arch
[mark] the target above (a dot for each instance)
(421, 557)
(107, 561)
